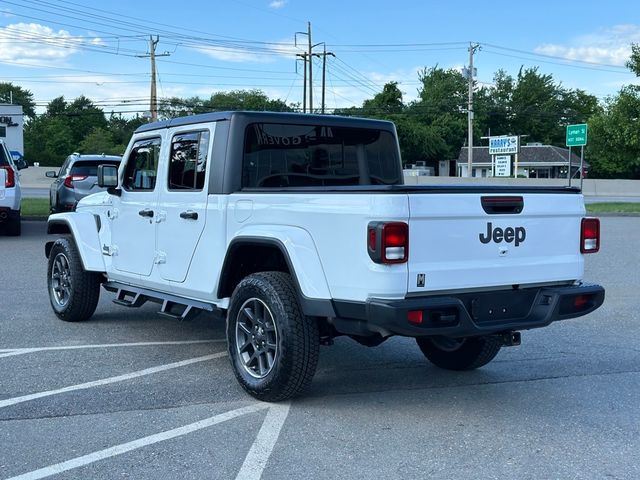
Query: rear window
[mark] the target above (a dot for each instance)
(280, 155)
(90, 169)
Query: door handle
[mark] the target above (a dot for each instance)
(189, 215)
(146, 213)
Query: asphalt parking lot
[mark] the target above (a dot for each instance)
(130, 394)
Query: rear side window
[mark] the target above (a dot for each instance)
(89, 169)
(280, 155)
(188, 160)
(142, 165)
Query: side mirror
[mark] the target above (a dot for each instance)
(51, 174)
(21, 164)
(108, 178)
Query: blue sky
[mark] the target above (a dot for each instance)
(73, 47)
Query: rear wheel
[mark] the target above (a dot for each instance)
(273, 347)
(459, 353)
(73, 292)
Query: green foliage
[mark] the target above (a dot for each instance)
(634, 62)
(20, 97)
(389, 101)
(245, 100)
(614, 137)
(100, 140)
(613, 207)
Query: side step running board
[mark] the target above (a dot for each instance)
(173, 306)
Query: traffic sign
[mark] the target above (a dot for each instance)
(577, 135)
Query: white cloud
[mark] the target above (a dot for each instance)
(277, 4)
(6, 13)
(29, 42)
(258, 54)
(608, 45)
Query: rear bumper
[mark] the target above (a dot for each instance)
(468, 314)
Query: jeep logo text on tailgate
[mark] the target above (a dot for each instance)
(509, 234)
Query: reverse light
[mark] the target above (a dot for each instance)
(10, 179)
(590, 235)
(388, 242)
(68, 181)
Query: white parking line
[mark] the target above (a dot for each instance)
(256, 460)
(141, 442)
(21, 351)
(106, 381)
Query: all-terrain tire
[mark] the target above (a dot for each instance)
(293, 337)
(463, 354)
(73, 292)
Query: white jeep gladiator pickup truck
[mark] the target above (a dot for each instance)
(298, 229)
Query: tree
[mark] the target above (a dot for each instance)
(255, 100)
(614, 138)
(442, 106)
(634, 62)
(388, 101)
(180, 107)
(20, 96)
(83, 116)
(535, 106)
(99, 140)
(493, 105)
(121, 129)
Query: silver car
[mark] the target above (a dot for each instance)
(77, 178)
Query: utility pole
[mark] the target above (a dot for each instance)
(324, 72)
(308, 57)
(472, 50)
(153, 101)
(304, 81)
(310, 53)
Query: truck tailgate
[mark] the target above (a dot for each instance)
(456, 243)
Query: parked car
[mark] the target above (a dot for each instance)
(10, 191)
(76, 179)
(298, 229)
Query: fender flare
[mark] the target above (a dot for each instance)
(87, 242)
(302, 259)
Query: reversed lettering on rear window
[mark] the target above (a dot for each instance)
(280, 155)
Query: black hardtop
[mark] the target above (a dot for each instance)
(271, 117)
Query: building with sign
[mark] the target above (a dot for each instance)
(534, 161)
(11, 128)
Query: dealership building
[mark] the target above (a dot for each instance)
(11, 128)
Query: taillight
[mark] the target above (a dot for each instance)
(10, 180)
(388, 242)
(590, 235)
(68, 181)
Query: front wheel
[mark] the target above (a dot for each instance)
(73, 292)
(459, 353)
(273, 347)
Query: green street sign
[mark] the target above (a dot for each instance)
(577, 135)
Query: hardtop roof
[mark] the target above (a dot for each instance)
(271, 117)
